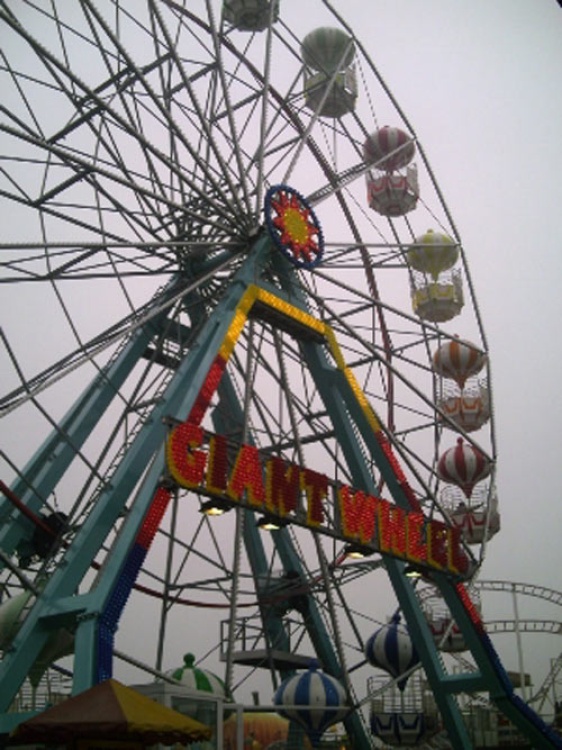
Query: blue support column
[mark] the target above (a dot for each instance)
(227, 420)
(90, 625)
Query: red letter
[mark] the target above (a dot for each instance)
(316, 488)
(417, 549)
(186, 466)
(357, 513)
(437, 544)
(392, 529)
(217, 466)
(247, 476)
(458, 559)
(281, 486)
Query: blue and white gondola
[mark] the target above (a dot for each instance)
(392, 649)
(321, 696)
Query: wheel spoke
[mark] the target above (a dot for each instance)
(139, 144)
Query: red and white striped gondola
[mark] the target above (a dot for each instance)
(464, 466)
(389, 149)
(394, 192)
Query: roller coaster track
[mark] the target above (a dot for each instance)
(525, 589)
(530, 626)
(524, 626)
(553, 627)
(508, 587)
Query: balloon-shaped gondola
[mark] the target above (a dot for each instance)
(197, 679)
(330, 88)
(458, 360)
(432, 253)
(250, 15)
(464, 466)
(321, 696)
(479, 523)
(392, 649)
(388, 149)
(469, 411)
(392, 193)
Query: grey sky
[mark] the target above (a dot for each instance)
(480, 82)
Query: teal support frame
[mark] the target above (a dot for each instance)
(340, 402)
(58, 603)
(45, 469)
(177, 400)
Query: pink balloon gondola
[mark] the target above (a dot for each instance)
(389, 149)
(393, 194)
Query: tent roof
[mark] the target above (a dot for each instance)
(113, 711)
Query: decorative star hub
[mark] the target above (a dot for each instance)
(293, 226)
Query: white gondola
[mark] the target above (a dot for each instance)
(393, 194)
(447, 635)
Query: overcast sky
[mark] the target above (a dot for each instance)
(480, 82)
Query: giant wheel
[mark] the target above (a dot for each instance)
(209, 217)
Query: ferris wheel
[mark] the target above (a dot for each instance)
(231, 288)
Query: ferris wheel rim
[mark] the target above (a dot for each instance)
(233, 246)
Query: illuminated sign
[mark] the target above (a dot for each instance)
(205, 463)
(244, 476)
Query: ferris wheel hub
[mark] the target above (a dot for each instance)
(293, 226)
